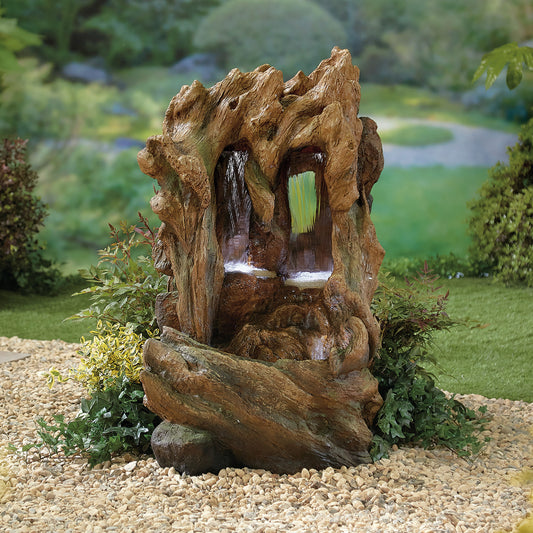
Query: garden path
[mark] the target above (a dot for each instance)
(471, 146)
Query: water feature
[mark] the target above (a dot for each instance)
(268, 336)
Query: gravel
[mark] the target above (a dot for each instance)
(413, 491)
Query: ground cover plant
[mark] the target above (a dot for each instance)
(414, 409)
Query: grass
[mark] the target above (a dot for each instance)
(493, 358)
(422, 211)
(41, 317)
(416, 135)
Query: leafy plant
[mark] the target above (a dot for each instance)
(125, 283)
(22, 265)
(114, 351)
(112, 420)
(501, 222)
(510, 54)
(414, 409)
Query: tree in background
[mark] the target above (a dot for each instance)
(12, 39)
(430, 44)
(122, 32)
(291, 35)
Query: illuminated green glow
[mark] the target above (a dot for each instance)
(304, 203)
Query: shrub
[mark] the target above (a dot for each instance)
(125, 283)
(501, 222)
(22, 265)
(113, 419)
(114, 351)
(292, 35)
(414, 409)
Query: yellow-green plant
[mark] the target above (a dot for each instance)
(113, 352)
(304, 202)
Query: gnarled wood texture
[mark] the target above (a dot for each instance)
(243, 138)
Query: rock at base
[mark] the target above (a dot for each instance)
(190, 451)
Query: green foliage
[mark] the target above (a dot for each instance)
(429, 44)
(22, 265)
(125, 283)
(291, 35)
(114, 351)
(416, 135)
(103, 187)
(135, 30)
(501, 220)
(113, 420)
(414, 409)
(13, 39)
(123, 32)
(510, 54)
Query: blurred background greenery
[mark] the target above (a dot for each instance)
(96, 85)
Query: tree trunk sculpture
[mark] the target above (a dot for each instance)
(274, 367)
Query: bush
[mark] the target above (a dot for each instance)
(22, 265)
(292, 35)
(501, 223)
(414, 409)
(124, 282)
(113, 419)
(114, 352)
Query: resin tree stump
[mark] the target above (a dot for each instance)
(268, 329)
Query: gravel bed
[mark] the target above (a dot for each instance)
(413, 491)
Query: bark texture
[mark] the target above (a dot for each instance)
(280, 417)
(284, 367)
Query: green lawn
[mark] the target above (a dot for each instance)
(494, 359)
(42, 317)
(422, 211)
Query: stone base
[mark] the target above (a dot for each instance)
(189, 450)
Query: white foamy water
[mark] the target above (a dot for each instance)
(246, 268)
(309, 279)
